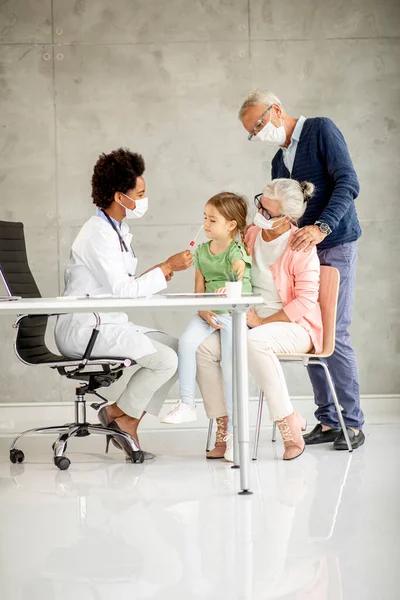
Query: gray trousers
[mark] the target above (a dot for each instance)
(342, 364)
(148, 387)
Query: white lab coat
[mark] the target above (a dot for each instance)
(99, 266)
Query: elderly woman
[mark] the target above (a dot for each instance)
(289, 321)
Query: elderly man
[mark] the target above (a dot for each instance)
(314, 149)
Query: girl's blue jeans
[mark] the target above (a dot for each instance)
(194, 335)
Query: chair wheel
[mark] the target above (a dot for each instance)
(17, 456)
(138, 456)
(62, 462)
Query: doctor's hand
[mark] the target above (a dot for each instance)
(167, 271)
(181, 261)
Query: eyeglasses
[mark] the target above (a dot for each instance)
(264, 211)
(258, 123)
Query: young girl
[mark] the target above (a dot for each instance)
(224, 218)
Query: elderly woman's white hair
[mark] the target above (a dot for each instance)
(291, 195)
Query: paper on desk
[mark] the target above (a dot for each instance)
(190, 295)
(87, 297)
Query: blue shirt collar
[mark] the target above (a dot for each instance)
(298, 129)
(100, 214)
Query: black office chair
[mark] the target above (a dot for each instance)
(31, 349)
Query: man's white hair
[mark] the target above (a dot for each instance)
(257, 97)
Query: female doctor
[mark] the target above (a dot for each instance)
(103, 262)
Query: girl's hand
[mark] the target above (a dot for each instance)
(252, 318)
(209, 317)
(220, 291)
(239, 266)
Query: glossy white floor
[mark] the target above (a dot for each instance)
(324, 527)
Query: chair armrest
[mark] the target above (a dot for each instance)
(89, 348)
(88, 352)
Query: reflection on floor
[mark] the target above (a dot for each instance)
(324, 527)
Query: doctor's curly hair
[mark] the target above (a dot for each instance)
(115, 172)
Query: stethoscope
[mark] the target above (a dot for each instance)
(123, 246)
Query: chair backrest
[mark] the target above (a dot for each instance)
(328, 298)
(30, 344)
(14, 265)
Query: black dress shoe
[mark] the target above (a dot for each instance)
(356, 440)
(317, 436)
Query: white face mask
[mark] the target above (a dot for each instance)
(140, 209)
(263, 223)
(274, 136)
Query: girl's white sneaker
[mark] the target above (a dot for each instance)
(180, 413)
(228, 439)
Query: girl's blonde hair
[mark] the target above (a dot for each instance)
(291, 195)
(232, 207)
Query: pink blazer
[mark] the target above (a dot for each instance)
(296, 275)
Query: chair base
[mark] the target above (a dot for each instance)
(79, 428)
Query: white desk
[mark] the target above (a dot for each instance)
(179, 302)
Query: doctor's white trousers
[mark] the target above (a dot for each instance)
(148, 387)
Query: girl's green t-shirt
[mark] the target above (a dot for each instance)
(216, 268)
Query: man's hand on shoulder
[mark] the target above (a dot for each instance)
(307, 237)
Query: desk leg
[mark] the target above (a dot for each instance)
(242, 397)
(236, 461)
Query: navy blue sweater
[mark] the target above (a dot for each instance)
(322, 157)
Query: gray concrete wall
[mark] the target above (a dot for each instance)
(166, 79)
